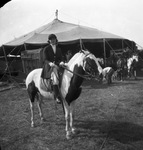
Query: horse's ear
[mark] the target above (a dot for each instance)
(81, 51)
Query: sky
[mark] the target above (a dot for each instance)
(120, 17)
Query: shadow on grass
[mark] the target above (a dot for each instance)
(124, 132)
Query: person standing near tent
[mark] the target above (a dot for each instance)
(52, 59)
(107, 74)
(68, 55)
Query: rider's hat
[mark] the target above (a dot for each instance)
(52, 36)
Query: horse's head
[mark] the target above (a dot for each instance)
(135, 57)
(132, 61)
(91, 65)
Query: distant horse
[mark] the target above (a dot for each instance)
(122, 68)
(80, 64)
(112, 62)
(131, 65)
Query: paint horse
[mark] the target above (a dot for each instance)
(121, 68)
(131, 65)
(80, 64)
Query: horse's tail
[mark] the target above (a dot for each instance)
(30, 77)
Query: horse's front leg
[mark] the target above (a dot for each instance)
(73, 129)
(121, 76)
(129, 75)
(67, 119)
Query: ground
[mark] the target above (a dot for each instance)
(108, 117)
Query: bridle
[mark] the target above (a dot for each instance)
(87, 76)
(73, 72)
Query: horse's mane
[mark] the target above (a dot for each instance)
(77, 55)
(134, 54)
(80, 56)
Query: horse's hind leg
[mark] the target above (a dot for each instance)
(32, 112)
(135, 74)
(32, 91)
(39, 103)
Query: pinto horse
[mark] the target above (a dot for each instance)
(131, 65)
(122, 68)
(80, 64)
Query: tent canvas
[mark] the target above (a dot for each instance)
(70, 37)
(67, 33)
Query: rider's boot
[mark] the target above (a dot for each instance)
(57, 94)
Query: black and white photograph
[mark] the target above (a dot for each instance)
(71, 75)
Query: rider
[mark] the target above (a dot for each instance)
(52, 59)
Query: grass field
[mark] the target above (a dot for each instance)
(107, 118)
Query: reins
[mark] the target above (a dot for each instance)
(82, 76)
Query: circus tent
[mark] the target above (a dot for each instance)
(70, 36)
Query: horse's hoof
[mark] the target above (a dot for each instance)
(75, 131)
(43, 120)
(69, 137)
(32, 125)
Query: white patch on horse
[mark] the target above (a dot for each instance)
(35, 76)
(75, 60)
(98, 65)
(129, 65)
(130, 61)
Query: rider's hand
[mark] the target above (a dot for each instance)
(62, 63)
(51, 64)
(65, 64)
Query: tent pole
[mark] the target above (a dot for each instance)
(23, 60)
(80, 44)
(122, 44)
(132, 46)
(7, 66)
(56, 14)
(24, 46)
(104, 51)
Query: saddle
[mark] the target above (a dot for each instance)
(61, 71)
(46, 84)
